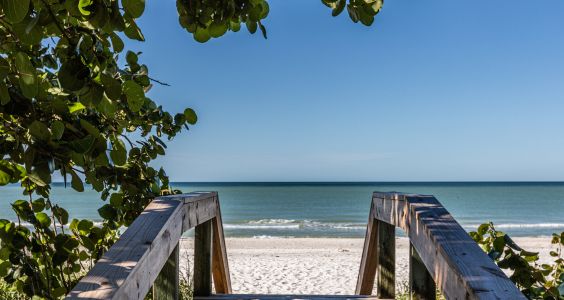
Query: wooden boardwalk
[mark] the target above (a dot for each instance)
(443, 257)
(284, 297)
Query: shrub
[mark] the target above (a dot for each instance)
(535, 280)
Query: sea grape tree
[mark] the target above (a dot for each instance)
(73, 104)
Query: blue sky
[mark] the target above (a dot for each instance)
(434, 90)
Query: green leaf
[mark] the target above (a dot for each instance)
(190, 116)
(36, 178)
(132, 31)
(251, 26)
(202, 35)
(91, 129)
(61, 214)
(58, 292)
(97, 184)
(118, 152)
(217, 28)
(38, 205)
(73, 74)
(131, 58)
(43, 219)
(84, 226)
(116, 199)
(27, 75)
(117, 43)
(15, 10)
(499, 244)
(4, 68)
(262, 30)
(57, 129)
(5, 178)
(134, 8)
(4, 94)
(82, 145)
(107, 212)
(59, 258)
(112, 86)
(339, 8)
(135, 95)
(76, 106)
(84, 7)
(39, 131)
(4, 268)
(76, 182)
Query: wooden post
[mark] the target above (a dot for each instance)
(202, 259)
(421, 282)
(220, 267)
(369, 260)
(386, 273)
(378, 258)
(166, 285)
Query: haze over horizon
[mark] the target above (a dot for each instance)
(433, 91)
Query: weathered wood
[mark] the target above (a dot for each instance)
(202, 259)
(421, 284)
(369, 260)
(284, 297)
(386, 272)
(129, 268)
(166, 285)
(460, 269)
(220, 267)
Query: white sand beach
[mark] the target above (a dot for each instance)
(313, 265)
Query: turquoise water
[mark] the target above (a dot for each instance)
(341, 209)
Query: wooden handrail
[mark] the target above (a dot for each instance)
(442, 254)
(146, 254)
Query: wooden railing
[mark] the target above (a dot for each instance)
(442, 254)
(147, 253)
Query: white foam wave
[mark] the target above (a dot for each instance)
(522, 225)
(272, 221)
(286, 224)
(249, 226)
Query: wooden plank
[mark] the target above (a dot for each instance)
(128, 269)
(421, 284)
(166, 285)
(220, 266)
(198, 212)
(458, 266)
(202, 259)
(386, 272)
(284, 297)
(369, 260)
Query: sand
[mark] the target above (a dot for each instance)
(312, 265)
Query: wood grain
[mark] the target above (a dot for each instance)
(202, 259)
(386, 271)
(369, 260)
(167, 283)
(220, 266)
(421, 284)
(129, 268)
(460, 269)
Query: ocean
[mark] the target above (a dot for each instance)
(330, 209)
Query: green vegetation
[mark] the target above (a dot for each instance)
(68, 104)
(535, 280)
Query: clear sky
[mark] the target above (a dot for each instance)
(434, 90)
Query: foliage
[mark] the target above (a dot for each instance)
(213, 18)
(535, 280)
(69, 105)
